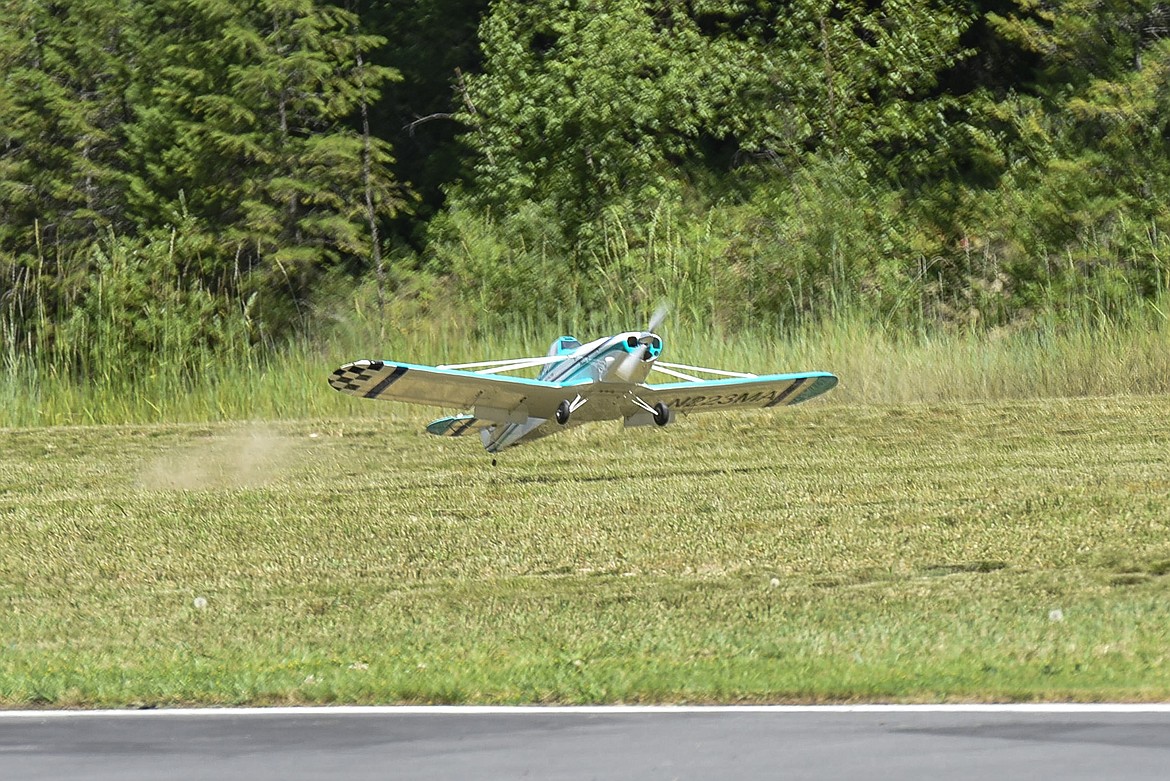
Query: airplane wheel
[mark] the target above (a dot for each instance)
(661, 414)
(563, 413)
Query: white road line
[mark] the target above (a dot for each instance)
(606, 710)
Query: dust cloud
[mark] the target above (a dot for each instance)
(246, 458)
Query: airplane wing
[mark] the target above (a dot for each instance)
(494, 397)
(769, 390)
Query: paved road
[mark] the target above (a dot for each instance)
(814, 743)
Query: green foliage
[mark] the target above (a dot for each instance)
(602, 118)
(505, 269)
(579, 108)
(925, 166)
(124, 299)
(250, 133)
(1076, 224)
(227, 125)
(826, 244)
(858, 79)
(432, 44)
(62, 110)
(597, 105)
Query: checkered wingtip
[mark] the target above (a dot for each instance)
(355, 377)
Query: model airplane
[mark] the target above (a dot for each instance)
(578, 383)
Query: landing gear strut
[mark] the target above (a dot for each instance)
(661, 414)
(563, 412)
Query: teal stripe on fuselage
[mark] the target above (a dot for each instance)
(573, 365)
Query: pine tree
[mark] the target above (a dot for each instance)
(247, 134)
(62, 105)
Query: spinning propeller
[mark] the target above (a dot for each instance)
(643, 347)
(660, 313)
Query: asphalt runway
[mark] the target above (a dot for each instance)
(872, 742)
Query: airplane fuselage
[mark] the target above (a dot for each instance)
(625, 359)
(615, 366)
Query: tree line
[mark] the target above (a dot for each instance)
(954, 161)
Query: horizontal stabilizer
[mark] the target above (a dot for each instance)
(456, 426)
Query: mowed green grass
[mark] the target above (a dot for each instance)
(998, 551)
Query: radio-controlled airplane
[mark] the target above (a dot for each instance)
(578, 383)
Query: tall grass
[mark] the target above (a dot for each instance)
(133, 340)
(876, 365)
(118, 332)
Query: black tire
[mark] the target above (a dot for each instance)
(563, 412)
(661, 414)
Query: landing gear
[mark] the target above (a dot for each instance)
(563, 412)
(661, 414)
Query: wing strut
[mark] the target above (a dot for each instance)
(669, 368)
(512, 364)
(642, 404)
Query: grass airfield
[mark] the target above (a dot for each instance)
(1016, 550)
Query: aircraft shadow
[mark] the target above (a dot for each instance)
(600, 477)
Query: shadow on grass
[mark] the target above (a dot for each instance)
(498, 476)
(553, 479)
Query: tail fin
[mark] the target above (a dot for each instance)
(456, 426)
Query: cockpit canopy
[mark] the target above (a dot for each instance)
(564, 346)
